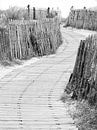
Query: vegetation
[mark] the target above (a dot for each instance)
(23, 39)
(81, 89)
(84, 115)
(82, 19)
(13, 13)
(80, 93)
(83, 80)
(16, 13)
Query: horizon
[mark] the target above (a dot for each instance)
(64, 5)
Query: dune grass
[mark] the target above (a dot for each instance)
(84, 115)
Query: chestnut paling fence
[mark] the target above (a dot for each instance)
(83, 80)
(24, 39)
(4, 44)
(83, 18)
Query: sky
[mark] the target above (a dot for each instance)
(63, 5)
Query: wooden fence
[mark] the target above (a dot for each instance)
(83, 80)
(4, 45)
(82, 18)
(25, 39)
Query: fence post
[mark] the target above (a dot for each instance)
(34, 13)
(28, 7)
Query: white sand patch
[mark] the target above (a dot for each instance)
(83, 32)
(8, 69)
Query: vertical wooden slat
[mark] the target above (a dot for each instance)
(45, 38)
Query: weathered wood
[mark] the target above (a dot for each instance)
(82, 18)
(4, 45)
(32, 38)
(83, 80)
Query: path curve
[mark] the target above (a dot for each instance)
(30, 96)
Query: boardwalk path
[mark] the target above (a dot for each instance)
(29, 96)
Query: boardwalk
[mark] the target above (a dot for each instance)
(30, 96)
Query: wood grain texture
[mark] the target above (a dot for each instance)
(30, 96)
(25, 39)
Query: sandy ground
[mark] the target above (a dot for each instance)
(8, 69)
(86, 33)
(30, 94)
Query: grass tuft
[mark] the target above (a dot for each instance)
(84, 115)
